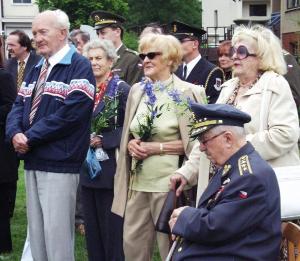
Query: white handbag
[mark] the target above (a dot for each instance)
(289, 185)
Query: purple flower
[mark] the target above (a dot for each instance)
(175, 95)
(113, 87)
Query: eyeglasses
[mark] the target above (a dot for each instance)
(241, 52)
(204, 142)
(150, 55)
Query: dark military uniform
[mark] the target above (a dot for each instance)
(293, 76)
(238, 215)
(128, 65)
(204, 73)
(207, 74)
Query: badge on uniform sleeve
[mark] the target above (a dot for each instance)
(218, 84)
(243, 194)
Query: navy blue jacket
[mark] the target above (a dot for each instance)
(199, 76)
(59, 135)
(238, 216)
(110, 141)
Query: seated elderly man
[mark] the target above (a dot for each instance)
(238, 215)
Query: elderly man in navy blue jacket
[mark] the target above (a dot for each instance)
(238, 215)
(49, 127)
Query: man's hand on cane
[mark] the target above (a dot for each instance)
(175, 214)
(177, 181)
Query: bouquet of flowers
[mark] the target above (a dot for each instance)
(146, 121)
(103, 119)
(111, 101)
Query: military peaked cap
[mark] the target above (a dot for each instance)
(212, 115)
(181, 30)
(104, 19)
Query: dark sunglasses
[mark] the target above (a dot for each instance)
(150, 55)
(241, 52)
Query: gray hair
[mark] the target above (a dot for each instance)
(62, 19)
(106, 45)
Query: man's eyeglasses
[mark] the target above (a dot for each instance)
(241, 52)
(150, 55)
(205, 141)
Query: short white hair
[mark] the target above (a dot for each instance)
(62, 19)
(106, 45)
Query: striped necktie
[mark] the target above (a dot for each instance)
(20, 74)
(39, 89)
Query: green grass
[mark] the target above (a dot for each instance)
(19, 225)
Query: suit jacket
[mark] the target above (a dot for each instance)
(238, 215)
(293, 76)
(122, 174)
(273, 129)
(12, 65)
(200, 75)
(8, 157)
(110, 142)
(128, 66)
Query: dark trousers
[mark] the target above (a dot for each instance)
(5, 234)
(104, 230)
(78, 212)
(12, 198)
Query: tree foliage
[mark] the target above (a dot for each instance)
(164, 11)
(79, 10)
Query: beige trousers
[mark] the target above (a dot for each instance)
(141, 214)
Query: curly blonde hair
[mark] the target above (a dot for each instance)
(168, 45)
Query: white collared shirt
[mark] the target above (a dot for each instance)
(57, 57)
(117, 49)
(190, 66)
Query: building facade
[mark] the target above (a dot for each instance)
(220, 17)
(290, 26)
(17, 14)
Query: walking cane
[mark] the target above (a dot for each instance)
(172, 249)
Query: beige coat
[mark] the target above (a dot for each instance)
(121, 184)
(273, 130)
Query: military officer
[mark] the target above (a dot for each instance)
(196, 69)
(238, 215)
(109, 26)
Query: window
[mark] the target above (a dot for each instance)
(22, 1)
(258, 10)
(293, 3)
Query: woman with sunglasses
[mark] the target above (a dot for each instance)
(259, 89)
(156, 104)
(103, 228)
(224, 58)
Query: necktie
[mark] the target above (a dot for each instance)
(184, 72)
(20, 74)
(39, 89)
